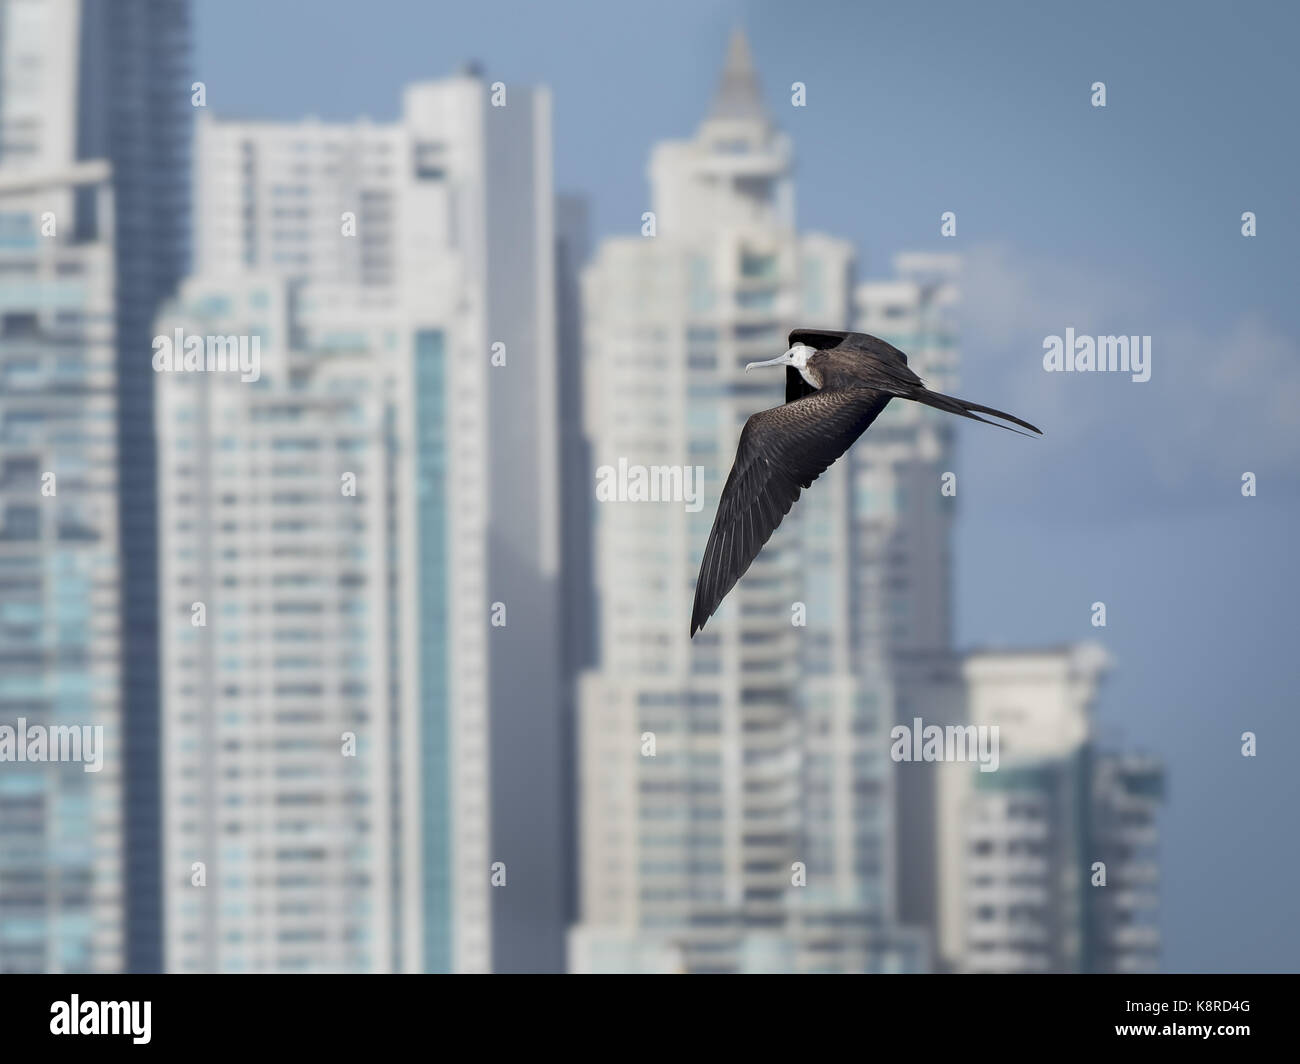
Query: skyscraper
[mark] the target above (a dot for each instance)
(426, 248)
(1125, 791)
(1051, 866)
(61, 883)
(736, 800)
(285, 788)
(134, 109)
(107, 83)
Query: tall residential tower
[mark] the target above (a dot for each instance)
(101, 89)
(736, 799)
(423, 251)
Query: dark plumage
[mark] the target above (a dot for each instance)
(783, 450)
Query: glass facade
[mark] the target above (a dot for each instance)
(60, 893)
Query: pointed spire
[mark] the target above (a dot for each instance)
(739, 95)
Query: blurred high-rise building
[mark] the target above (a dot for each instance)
(61, 890)
(1125, 793)
(425, 251)
(1049, 864)
(84, 82)
(735, 789)
(286, 785)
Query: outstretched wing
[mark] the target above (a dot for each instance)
(781, 451)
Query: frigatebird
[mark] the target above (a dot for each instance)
(836, 385)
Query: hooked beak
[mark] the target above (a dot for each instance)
(780, 360)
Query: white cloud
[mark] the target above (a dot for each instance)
(1219, 401)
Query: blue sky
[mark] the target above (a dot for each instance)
(1124, 219)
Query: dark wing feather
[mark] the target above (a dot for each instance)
(781, 451)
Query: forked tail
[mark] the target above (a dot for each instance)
(953, 405)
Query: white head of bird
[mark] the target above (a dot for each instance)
(797, 357)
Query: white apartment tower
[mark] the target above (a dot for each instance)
(415, 261)
(735, 788)
(279, 831)
(1049, 863)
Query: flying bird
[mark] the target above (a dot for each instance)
(836, 385)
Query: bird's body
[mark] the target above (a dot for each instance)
(837, 383)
